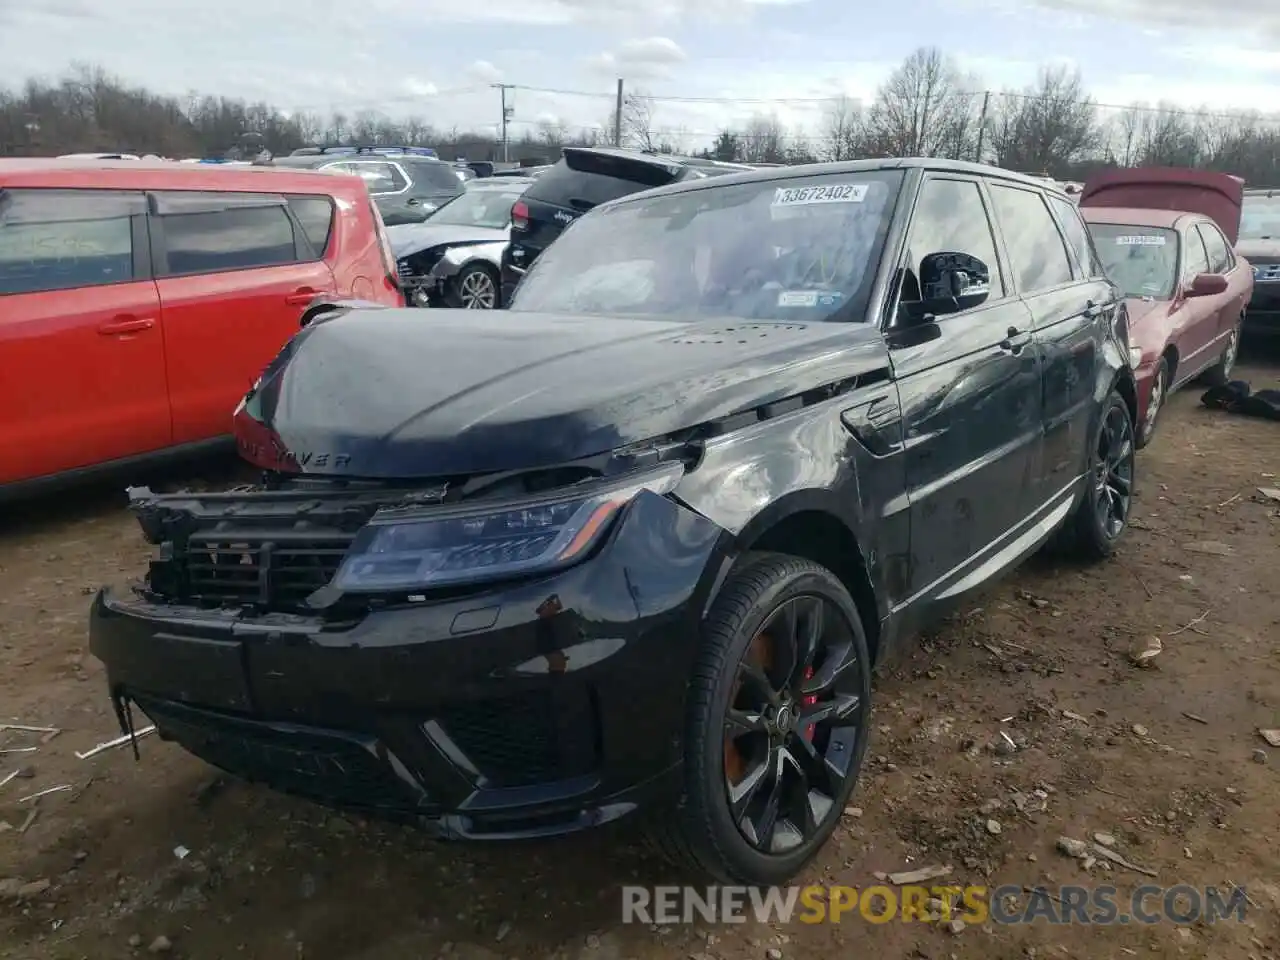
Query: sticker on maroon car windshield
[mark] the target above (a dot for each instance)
(827, 193)
(1145, 241)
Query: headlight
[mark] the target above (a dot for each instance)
(1135, 357)
(432, 547)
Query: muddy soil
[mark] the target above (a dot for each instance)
(1167, 759)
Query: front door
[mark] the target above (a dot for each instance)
(969, 387)
(236, 273)
(82, 380)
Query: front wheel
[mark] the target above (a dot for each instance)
(1102, 515)
(1155, 402)
(1220, 372)
(776, 726)
(475, 288)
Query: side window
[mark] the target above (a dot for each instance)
(379, 176)
(234, 239)
(64, 239)
(1077, 235)
(950, 217)
(1035, 246)
(1215, 244)
(1195, 259)
(316, 216)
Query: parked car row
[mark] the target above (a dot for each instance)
(633, 545)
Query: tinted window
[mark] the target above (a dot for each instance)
(1215, 244)
(1077, 235)
(802, 249)
(62, 239)
(442, 176)
(316, 216)
(228, 239)
(1035, 247)
(1141, 261)
(950, 217)
(1195, 259)
(583, 189)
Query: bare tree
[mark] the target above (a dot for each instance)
(922, 110)
(762, 140)
(842, 129)
(1048, 128)
(553, 133)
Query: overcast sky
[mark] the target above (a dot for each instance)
(436, 58)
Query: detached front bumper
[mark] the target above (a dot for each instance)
(534, 709)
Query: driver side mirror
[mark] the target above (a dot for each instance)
(949, 283)
(1207, 285)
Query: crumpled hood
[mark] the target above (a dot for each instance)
(412, 393)
(410, 238)
(1259, 251)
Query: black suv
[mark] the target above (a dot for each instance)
(407, 188)
(583, 178)
(639, 541)
(1259, 243)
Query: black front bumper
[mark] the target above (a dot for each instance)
(535, 709)
(1262, 318)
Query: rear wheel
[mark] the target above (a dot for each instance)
(778, 709)
(1220, 372)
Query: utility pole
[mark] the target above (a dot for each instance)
(617, 117)
(506, 117)
(982, 124)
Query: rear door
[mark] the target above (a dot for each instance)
(582, 180)
(235, 273)
(1230, 305)
(1195, 319)
(82, 379)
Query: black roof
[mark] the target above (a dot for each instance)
(765, 174)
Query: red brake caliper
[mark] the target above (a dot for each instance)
(808, 702)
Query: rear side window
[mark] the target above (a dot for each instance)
(439, 175)
(583, 189)
(1215, 244)
(235, 239)
(1077, 235)
(379, 176)
(65, 239)
(1035, 247)
(316, 216)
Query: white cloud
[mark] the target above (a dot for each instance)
(419, 88)
(647, 59)
(483, 71)
(1260, 17)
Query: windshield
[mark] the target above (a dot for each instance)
(1260, 217)
(1141, 261)
(479, 208)
(783, 249)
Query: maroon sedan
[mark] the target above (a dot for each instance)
(1165, 237)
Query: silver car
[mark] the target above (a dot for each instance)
(453, 258)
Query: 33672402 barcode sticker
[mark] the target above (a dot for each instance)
(1143, 241)
(826, 193)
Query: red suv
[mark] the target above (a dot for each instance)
(140, 300)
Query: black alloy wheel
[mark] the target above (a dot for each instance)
(792, 726)
(778, 712)
(1113, 472)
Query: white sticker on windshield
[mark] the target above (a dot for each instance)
(1140, 241)
(809, 298)
(828, 193)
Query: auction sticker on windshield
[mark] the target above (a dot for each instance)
(827, 193)
(1140, 241)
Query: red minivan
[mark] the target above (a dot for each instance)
(140, 300)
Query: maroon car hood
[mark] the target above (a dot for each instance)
(1217, 196)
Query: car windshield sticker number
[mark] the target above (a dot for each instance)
(828, 193)
(1140, 241)
(809, 298)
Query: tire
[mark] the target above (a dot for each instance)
(1220, 372)
(1086, 534)
(1159, 394)
(702, 834)
(476, 287)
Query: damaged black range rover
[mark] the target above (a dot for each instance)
(639, 541)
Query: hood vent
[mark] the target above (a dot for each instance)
(736, 333)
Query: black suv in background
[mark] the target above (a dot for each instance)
(407, 188)
(583, 178)
(638, 541)
(1259, 243)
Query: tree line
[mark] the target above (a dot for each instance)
(927, 107)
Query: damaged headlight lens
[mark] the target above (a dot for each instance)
(490, 540)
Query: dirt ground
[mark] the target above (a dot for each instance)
(1167, 759)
